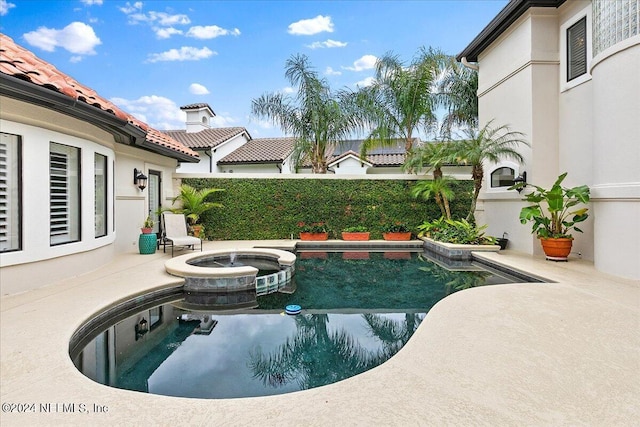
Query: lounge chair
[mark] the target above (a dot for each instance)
(174, 232)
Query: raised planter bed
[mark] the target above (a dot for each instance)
(456, 252)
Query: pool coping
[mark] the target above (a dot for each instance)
(525, 354)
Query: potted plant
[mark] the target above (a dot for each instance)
(358, 232)
(396, 230)
(553, 216)
(313, 231)
(147, 227)
(193, 204)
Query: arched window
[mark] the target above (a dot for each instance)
(204, 120)
(502, 177)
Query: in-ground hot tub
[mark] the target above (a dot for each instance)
(233, 278)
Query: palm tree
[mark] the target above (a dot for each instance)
(457, 92)
(439, 189)
(401, 100)
(435, 155)
(489, 144)
(315, 116)
(194, 202)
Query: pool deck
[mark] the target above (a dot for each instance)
(563, 353)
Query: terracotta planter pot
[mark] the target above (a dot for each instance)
(557, 249)
(146, 230)
(197, 230)
(397, 236)
(314, 236)
(355, 235)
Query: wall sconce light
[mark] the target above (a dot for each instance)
(139, 179)
(141, 328)
(521, 179)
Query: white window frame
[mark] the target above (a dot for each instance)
(504, 164)
(564, 84)
(64, 194)
(10, 192)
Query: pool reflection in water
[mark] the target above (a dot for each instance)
(357, 313)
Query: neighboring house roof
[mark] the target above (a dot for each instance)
(206, 138)
(348, 154)
(26, 77)
(498, 25)
(261, 150)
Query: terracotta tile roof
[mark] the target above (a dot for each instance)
(261, 150)
(21, 63)
(196, 106)
(207, 138)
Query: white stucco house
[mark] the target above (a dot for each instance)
(566, 74)
(69, 160)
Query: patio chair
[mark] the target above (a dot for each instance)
(174, 232)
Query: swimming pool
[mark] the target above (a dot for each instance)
(359, 309)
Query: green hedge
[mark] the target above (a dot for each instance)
(272, 208)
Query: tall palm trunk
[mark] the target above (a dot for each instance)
(477, 174)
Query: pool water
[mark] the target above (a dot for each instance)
(358, 310)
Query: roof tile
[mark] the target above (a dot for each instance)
(206, 138)
(261, 150)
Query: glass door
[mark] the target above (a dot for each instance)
(155, 198)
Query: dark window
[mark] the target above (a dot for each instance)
(577, 49)
(502, 177)
(100, 190)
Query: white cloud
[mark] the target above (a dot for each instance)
(210, 32)
(165, 33)
(331, 72)
(307, 27)
(130, 8)
(5, 6)
(75, 59)
(77, 37)
(367, 62)
(167, 20)
(157, 111)
(326, 44)
(288, 89)
(92, 2)
(198, 89)
(223, 120)
(185, 53)
(366, 82)
(135, 15)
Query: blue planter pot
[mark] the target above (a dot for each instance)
(147, 243)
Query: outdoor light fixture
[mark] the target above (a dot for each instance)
(141, 328)
(139, 179)
(521, 179)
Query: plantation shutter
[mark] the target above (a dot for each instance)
(9, 193)
(63, 194)
(577, 49)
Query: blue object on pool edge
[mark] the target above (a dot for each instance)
(292, 309)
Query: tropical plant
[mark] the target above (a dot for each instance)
(193, 202)
(400, 101)
(395, 227)
(439, 189)
(457, 92)
(460, 232)
(556, 219)
(355, 229)
(489, 144)
(149, 222)
(315, 116)
(314, 227)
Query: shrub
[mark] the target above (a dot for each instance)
(455, 231)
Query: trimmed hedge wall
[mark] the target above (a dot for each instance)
(272, 208)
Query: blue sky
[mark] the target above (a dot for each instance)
(151, 57)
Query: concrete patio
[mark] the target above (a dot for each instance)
(562, 353)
